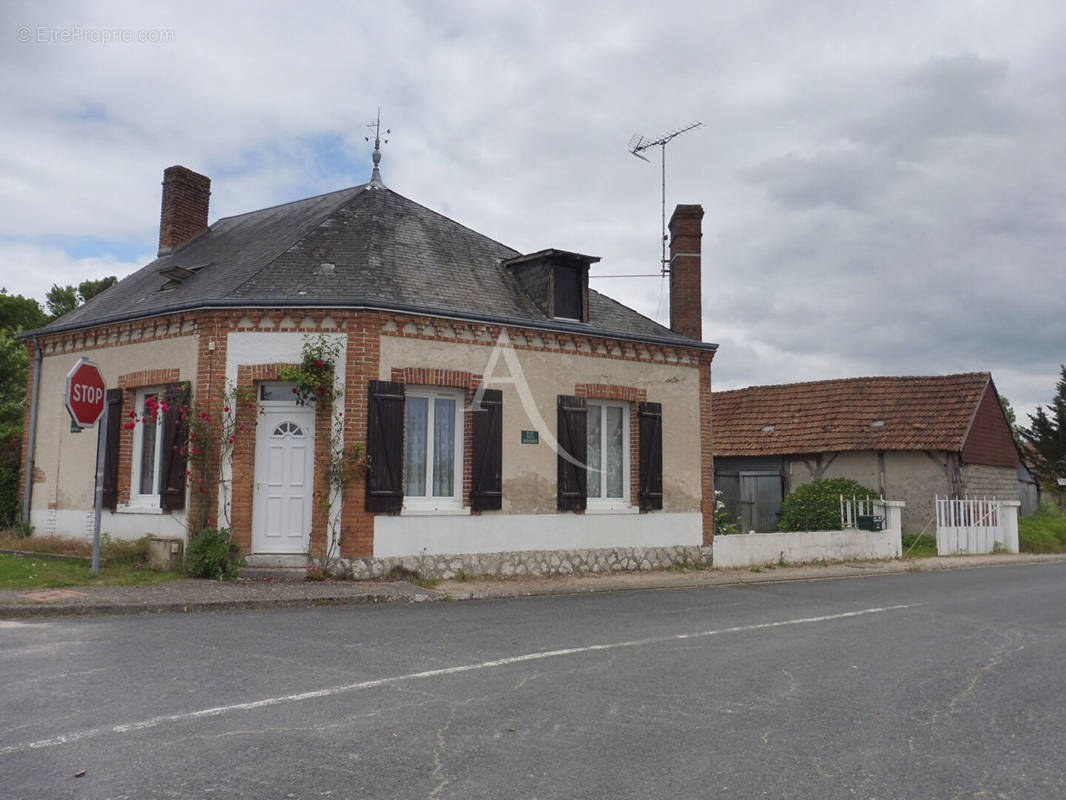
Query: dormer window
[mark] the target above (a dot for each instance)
(557, 281)
(568, 293)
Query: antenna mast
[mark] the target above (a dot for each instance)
(637, 145)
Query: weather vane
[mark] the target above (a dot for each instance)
(375, 178)
(637, 145)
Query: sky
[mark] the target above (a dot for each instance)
(882, 182)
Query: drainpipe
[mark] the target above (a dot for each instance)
(27, 492)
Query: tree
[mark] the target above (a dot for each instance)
(64, 299)
(88, 289)
(18, 313)
(1047, 436)
(61, 300)
(1012, 419)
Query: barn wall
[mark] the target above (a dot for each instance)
(980, 480)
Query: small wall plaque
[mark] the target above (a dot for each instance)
(530, 437)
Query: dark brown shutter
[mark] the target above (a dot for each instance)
(573, 453)
(175, 433)
(651, 456)
(111, 442)
(384, 446)
(486, 492)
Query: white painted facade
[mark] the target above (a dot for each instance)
(498, 532)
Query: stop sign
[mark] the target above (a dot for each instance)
(85, 393)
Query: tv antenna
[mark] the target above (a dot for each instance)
(375, 126)
(637, 145)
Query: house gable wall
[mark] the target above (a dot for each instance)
(989, 441)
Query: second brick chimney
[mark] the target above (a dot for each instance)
(186, 195)
(686, 306)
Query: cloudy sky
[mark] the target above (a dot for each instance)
(883, 182)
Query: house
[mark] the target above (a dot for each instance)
(502, 405)
(908, 438)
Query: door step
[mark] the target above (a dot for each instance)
(272, 573)
(273, 567)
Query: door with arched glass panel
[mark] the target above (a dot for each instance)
(284, 479)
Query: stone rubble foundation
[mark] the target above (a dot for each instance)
(527, 562)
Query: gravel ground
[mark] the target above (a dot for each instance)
(190, 595)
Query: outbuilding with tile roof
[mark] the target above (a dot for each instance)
(909, 438)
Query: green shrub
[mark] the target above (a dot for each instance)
(815, 506)
(1044, 531)
(919, 546)
(213, 554)
(10, 470)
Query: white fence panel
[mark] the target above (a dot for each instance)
(968, 526)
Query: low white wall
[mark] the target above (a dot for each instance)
(78, 523)
(499, 533)
(1010, 510)
(747, 549)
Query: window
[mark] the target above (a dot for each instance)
(568, 292)
(147, 448)
(433, 448)
(593, 458)
(607, 459)
(158, 455)
(275, 392)
(415, 446)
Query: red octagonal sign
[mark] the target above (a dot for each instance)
(85, 393)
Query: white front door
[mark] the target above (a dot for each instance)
(284, 478)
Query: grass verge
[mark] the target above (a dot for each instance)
(36, 572)
(1044, 531)
(919, 546)
(122, 563)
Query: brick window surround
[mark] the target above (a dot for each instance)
(453, 379)
(625, 394)
(129, 383)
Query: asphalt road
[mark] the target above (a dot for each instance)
(945, 685)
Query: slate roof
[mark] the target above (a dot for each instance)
(918, 412)
(386, 252)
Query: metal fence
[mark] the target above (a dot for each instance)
(969, 525)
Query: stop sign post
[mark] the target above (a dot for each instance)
(85, 401)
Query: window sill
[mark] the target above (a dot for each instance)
(445, 511)
(139, 509)
(591, 509)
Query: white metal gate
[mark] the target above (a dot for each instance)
(967, 526)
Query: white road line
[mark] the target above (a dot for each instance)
(219, 711)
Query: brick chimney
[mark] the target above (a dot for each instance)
(686, 306)
(185, 200)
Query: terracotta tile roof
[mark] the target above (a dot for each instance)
(887, 413)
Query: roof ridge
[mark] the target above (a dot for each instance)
(289, 203)
(829, 381)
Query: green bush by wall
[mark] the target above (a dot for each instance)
(815, 506)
